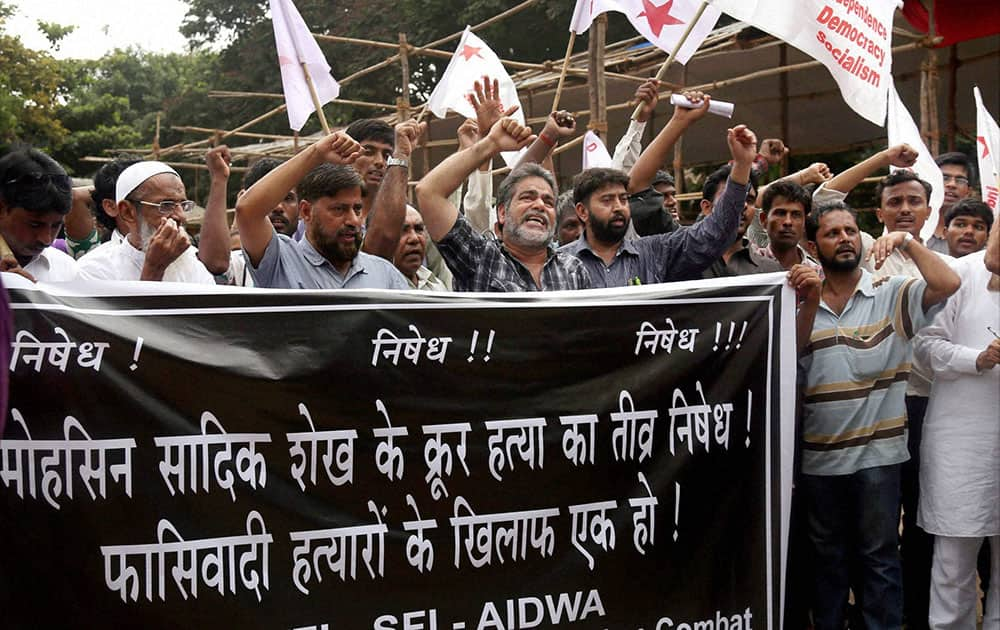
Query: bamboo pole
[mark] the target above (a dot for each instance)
(597, 87)
(662, 72)
(277, 95)
(186, 165)
(404, 63)
(315, 98)
(242, 134)
(156, 138)
(565, 67)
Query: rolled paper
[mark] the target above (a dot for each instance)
(719, 108)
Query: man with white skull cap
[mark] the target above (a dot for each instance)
(152, 200)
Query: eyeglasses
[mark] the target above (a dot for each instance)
(40, 181)
(168, 206)
(958, 179)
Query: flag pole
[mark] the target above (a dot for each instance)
(562, 75)
(662, 72)
(315, 98)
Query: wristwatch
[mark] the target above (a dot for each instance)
(397, 162)
(906, 241)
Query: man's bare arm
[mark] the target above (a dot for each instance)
(254, 206)
(213, 247)
(901, 155)
(653, 157)
(389, 207)
(941, 280)
(445, 178)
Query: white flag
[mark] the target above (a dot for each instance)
(902, 129)
(853, 39)
(472, 60)
(662, 24)
(595, 154)
(988, 152)
(296, 46)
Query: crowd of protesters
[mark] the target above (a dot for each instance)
(898, 427)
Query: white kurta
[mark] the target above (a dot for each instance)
(960, 449)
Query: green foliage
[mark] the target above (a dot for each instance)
(54, 32)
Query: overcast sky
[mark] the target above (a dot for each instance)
(102, 25)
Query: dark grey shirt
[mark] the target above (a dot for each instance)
(741, 263)
(680, 255)
(289, 264)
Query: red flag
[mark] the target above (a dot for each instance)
(956, 21)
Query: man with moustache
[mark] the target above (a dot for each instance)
(526, 198)
(329, 255)
(410, 254)
(601, 196)
(285, 214)
(966, 225)
(784, 208)
(739, 258)
(377, 140)
(152, 202)
(854, 335)
(956, 172)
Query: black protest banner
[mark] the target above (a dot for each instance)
(607, 459)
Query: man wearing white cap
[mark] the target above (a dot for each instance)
(152, 201)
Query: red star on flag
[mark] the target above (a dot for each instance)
(658, 17)
(470, 51)
(986, 149)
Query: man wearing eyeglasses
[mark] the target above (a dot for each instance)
(152, 200)
(956, 169)
(35, 196)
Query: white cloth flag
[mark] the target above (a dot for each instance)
(595, 154)
(902, 129)
(472, 60)
(296, 46)
(988, 152)
(662, 24)
(853, 39)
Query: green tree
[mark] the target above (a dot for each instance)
(30, 83)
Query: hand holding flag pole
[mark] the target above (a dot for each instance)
(662, 72)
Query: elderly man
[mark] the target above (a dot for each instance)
(35, 196)
(523, 260)
(152, 202)
(411, 252)
(329, 256)
(854, 344)
(959, 475)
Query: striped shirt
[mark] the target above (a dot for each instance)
(856, 366)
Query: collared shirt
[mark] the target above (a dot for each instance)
(856, 366)
(290, 264)
(427, 281)
(483, 264)
(939, 245)
(680, 255)
(121, 261)
(804, 257)
(743, 262)
(52, 265)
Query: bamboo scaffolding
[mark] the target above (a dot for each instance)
(187, 165)
(277, 95)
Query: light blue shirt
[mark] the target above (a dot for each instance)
(290, 264)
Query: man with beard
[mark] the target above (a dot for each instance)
(613, 261)
(152, 202)
(526, 199)
(411, 252)
(854, 337)
(285, 214)
(329, 256)
(739, 258)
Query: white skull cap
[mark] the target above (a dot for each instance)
(132, 177)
